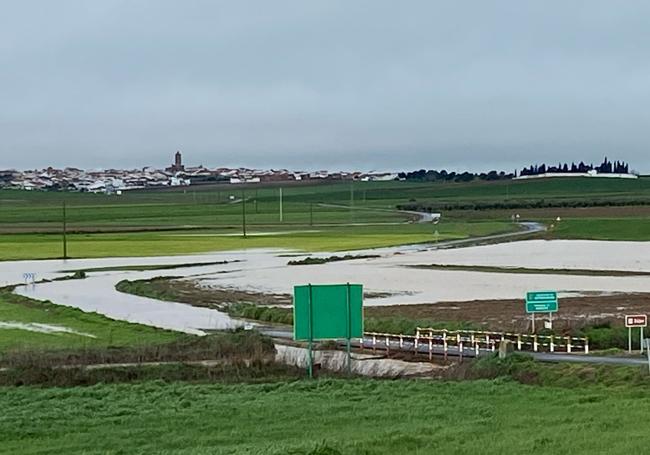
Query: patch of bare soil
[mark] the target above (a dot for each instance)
(574, 312)
(188, 291)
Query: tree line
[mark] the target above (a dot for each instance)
(424, 175)
(606, 167)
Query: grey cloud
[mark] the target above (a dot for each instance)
(323, 84)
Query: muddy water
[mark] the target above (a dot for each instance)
(97, 292)
(266, 271)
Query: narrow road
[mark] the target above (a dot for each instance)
(453, 351)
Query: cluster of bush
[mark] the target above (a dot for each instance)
(261, 313)
(312, 260)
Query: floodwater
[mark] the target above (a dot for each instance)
(267, 271)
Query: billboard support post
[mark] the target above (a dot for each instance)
(311, 334)
(349, 329)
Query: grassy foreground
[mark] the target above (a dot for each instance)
(324, 417)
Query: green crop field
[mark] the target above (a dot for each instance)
(210, 206)
(315, 217)
(88, 329)
(326, 417)
(317, 238)
(603, 229)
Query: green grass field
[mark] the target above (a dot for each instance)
(603, 229)
(210, 206)
(105, 331)
(326, 417)
(315, 217)
(318, 238)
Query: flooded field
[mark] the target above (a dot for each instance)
(389, 278)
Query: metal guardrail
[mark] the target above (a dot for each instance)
(520, 341)
(469, 342)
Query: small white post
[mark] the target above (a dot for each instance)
(444, 344)
(641, 341)
(629, 340)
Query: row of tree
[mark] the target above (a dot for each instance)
(606, 167)
(424, 175)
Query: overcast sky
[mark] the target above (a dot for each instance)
(324, 84)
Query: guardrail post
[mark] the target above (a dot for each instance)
(444, 344)
(535, 343)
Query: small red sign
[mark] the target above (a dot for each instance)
(636, 320)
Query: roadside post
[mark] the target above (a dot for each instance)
(633, 321)
(647, 350)
(326, 312)
(541, 302)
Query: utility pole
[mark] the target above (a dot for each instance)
(352, 200)
(243, 212)
(311, 213)
(281, 214)
(65, 233)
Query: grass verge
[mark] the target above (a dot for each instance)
(82, 330)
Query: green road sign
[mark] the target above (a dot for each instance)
(541, 302)
(327, 311)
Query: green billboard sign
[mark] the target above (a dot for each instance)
(327, 311)
(541, 302)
